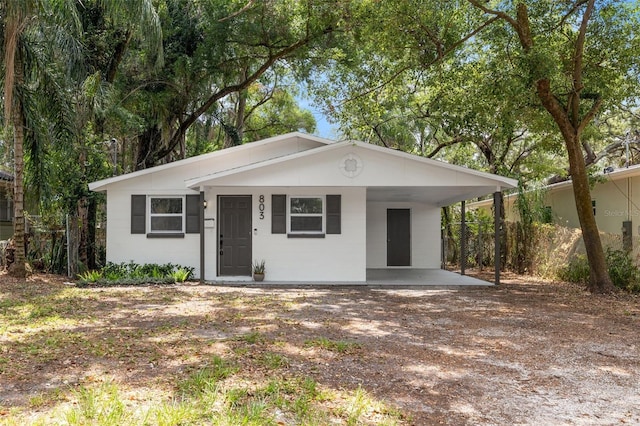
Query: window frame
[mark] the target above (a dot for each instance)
(151, 215)
(322, 215)
(7, 210)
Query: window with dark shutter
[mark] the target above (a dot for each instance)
(334, 211)
(138, 210)
(193, 214)
(278, 214)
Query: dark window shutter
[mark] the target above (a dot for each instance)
(138, 210)
(278, 214)
(334, 210)
(193, 214)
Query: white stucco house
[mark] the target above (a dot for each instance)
(315, 210)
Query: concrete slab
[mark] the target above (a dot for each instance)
(421, 277)
(401, 277)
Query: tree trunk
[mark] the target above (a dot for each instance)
(148, 141)
(92, 210)
(83, 225)
(18, 268)
(452, 252)
(502, 236)
(599, 281)
(240, 112)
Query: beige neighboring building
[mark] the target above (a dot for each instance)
(615, 199)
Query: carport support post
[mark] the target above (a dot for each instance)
(497, 201)
(463, 238)
(202, 207)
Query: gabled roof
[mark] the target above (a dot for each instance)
(299, 160)
(499, 180)
(276, 140)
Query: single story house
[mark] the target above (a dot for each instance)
(615, 198)
(313, 209)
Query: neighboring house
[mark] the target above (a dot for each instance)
(615, 199)
(315, 210)
(6, 205)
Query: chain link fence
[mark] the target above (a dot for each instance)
(53, 248)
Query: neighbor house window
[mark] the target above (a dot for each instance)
(6, 209)
(306, 214)
(166, 214)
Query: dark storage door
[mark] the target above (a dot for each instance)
(234, 235)
(398, 237)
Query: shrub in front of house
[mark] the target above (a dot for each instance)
(577, 271)
(126, 274)
(622, 270)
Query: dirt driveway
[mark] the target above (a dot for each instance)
(527, 352)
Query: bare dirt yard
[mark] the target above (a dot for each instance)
(526, 352)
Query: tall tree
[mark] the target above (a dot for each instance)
(109, 28)
(28, 24)
(576, 53)
(571, 59)
(215, 49)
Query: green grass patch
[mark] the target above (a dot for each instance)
(99, 406)
(272, 360)
(252, 338)
(205, 398)
(338, 346)
(360, 404)
(82, 334)
(205, 379)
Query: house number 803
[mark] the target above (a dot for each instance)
(261, 206)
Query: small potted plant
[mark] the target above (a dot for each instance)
(258, 270)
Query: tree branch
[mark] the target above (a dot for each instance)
(442, 145)
(553, 106)
(578, 57)
(521, 24)
(269, 62)
(590, 114)
(435, 61)
(234, 14)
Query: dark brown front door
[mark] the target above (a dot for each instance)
(234, 235)
(398, 237)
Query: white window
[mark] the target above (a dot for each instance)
(306, 214)
(166, 214)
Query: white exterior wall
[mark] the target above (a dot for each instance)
(123, 246)
(336, 257)
(425, 234)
